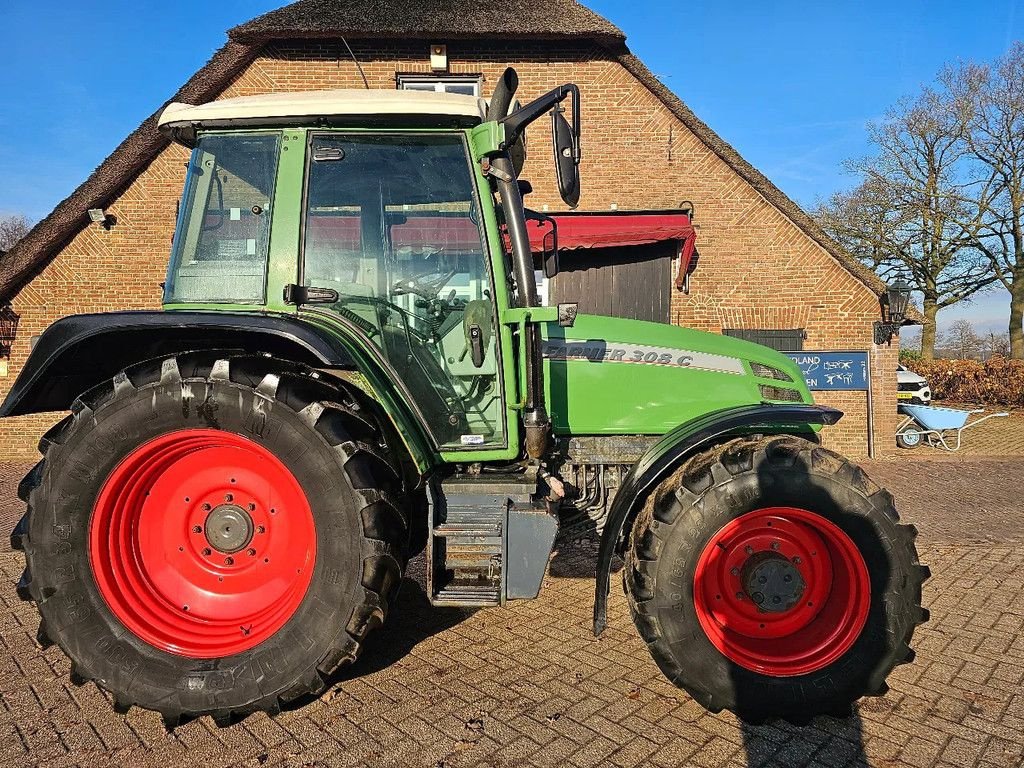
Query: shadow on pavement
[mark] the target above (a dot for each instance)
(411, 621)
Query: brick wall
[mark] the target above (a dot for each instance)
(758, 270)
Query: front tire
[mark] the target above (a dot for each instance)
(213, 536)
(771, 577)
(909, 437)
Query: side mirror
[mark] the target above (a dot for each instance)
(567, 157)
(549, 244)
(550, 253)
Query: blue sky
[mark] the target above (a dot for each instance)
(790, 84)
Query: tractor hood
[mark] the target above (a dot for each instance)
(610, 376)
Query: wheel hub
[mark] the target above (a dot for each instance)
(228, 528)
(773, 583)
(202, 543)
(781, 591)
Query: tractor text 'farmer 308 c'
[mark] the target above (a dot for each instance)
(337, 383)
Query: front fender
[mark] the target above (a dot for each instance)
(669, 452)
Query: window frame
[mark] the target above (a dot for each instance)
(401, 80)
(183, 216)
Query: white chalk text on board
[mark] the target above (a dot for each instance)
(833, 371)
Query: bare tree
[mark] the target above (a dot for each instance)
(12, 229)
(994, 344)
(991, 98)
(961, 342)
(915, 213)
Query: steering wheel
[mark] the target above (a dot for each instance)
(427, 286)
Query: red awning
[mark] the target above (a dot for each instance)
(613, 230)
(620, 230)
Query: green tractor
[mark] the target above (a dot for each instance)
(351, 368)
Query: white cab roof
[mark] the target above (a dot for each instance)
(293, 108)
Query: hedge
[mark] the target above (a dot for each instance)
(998, 381)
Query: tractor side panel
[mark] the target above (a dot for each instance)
(610, 376)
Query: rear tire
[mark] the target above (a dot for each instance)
(203, 625)
(741, 516)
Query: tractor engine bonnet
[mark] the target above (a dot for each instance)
(610, 376)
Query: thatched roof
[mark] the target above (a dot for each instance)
(447, 19)
(452, 19)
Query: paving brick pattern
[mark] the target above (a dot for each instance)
(530, 685)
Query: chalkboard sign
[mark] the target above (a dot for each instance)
(833, 371)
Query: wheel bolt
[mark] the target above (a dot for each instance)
(207, 507)
(797, 561)
(229, 497)
(739, 595)
(229, 561)
(748, 549)
(787, 578)
(762, 579)
(207, 551)
(775, 546)
(735, 571)
(757, 597)
(251, 553)
(197, 529)
(252, 507)
(260, 529)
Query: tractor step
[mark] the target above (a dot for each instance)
(490, 540)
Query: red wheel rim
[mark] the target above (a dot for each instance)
(202, 543)
(782, 591)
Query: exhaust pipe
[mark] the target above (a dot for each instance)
(504, 93)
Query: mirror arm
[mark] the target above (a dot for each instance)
(518, 121)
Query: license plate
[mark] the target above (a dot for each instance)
(904, 395)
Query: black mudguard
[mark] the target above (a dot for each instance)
(669, 452)
(80, 351)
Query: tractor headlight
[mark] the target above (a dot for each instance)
(763, 371)
(784, 394)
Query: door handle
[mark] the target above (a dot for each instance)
(303, 294)
(476, 345)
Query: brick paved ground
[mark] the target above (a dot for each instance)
(529, 685)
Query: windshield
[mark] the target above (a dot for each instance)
(393, 225)
(223, 234)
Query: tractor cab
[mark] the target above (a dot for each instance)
(378, 211)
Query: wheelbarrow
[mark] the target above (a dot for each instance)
(939, 427)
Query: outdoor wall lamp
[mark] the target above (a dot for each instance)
(101, 217)
(439, 58)
(9, 320)
(894, 311)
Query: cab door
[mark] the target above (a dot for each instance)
(392, 237)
